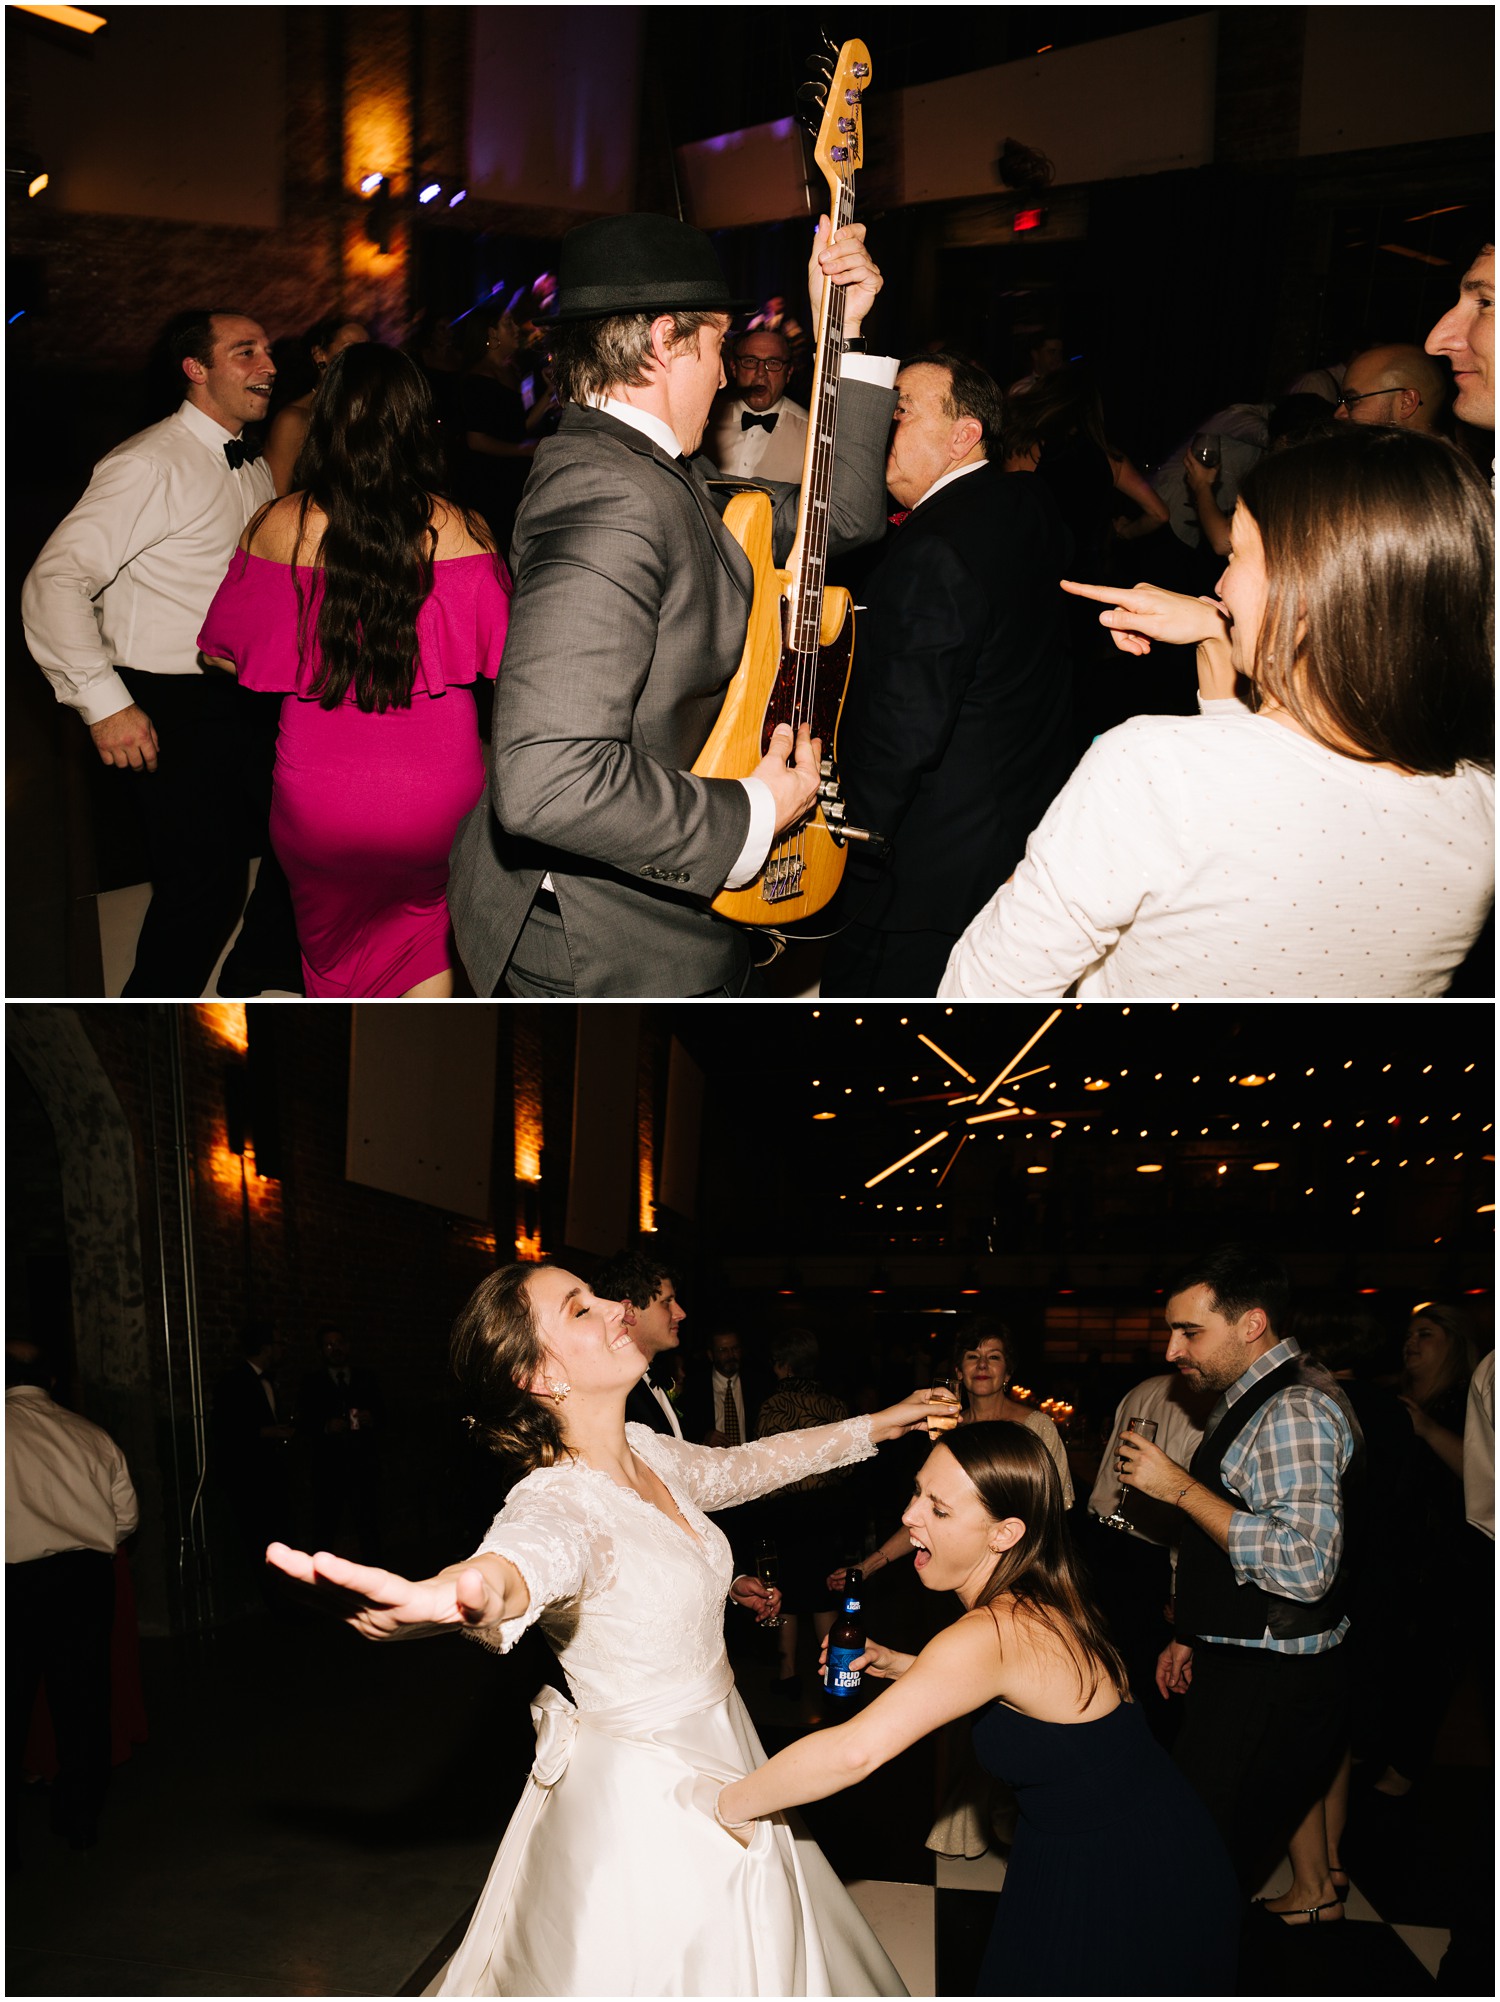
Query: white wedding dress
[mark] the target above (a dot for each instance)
(614, 1877)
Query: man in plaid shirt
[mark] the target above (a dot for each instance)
(1262, 1564)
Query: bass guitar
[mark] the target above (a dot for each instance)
(799, 645)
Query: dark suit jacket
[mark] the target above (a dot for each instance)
(698, 1403)
(239, 1412)
(641, 1406)
(627, 625)
(320, 1399)
(955, 733)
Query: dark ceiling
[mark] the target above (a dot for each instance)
(1379, 1120)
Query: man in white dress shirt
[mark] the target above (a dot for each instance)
(112, 609)
(68, 1503)
(757, 432)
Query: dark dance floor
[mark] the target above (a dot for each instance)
(313, 1815)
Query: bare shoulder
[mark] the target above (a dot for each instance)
(274, 532)
(457, 535)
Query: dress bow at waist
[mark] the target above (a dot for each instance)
(558, 1720)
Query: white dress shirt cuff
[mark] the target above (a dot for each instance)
(879, 369)
(758, 840)
(104, 696)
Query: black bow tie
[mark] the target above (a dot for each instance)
(240, 452)
(750, 418)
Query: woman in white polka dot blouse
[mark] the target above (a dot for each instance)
(1331, 833)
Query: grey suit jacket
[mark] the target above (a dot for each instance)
(627, 624)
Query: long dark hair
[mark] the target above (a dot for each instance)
(1014, 1475)
(495, 1349)
(1380, 558)
(373, 464)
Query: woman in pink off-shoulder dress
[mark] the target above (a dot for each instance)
(373, 604)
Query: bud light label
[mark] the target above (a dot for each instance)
(843, 1678)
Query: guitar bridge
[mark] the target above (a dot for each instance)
(782, 878)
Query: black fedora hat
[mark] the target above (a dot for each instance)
(639, 264)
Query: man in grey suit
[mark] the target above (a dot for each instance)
(590, 867)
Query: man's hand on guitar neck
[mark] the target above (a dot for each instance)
(794, 786)
(843, 260)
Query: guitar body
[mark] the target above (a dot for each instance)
(805, 867)
(800, 641)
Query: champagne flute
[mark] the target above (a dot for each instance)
(943, 1420)
(767, 1567)
(1145, 1428)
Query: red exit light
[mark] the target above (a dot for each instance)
(1025, 219)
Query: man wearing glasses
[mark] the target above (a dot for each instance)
(1394, 385)
(757, 432)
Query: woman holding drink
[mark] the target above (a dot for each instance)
(979, 1377)
(1108, 1826)
(605, 1543)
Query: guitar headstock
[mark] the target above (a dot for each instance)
(840, 144)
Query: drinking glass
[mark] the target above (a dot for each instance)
(1146, 1427)
(939, 1422)
(767, 1568)
(1206, 449)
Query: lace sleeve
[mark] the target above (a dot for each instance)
(717, 1477)
(543, 1530)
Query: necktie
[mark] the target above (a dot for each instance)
(750, 418)
(731, 1426)
(240, 452)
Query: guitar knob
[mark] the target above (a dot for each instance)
(834, 810)
(825, 768)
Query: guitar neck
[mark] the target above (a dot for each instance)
(808, 562)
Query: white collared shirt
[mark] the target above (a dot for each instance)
(948, 479)
(66, 1483)
(129, 575)
(754, 453)
(667, 1405)
(727, 1387)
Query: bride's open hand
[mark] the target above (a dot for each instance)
(382, 1605)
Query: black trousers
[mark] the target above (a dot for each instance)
(204, 813)
(863, 960)
(58, 1614)
(1262, 1735)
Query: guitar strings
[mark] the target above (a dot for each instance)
(807, 634)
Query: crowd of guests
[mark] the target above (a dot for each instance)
(1188, 793)
(1180, 1699)
(1219, 1660)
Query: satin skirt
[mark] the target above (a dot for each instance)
(615, 1879)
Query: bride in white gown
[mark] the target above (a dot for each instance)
(605, 1543)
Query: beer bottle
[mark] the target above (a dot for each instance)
(846, 1643)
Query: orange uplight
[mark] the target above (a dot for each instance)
(227, 1023)
(66, 17)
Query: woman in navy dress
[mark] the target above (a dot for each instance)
(1118, 1883)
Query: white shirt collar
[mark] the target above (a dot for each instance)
(203, 427)
(655, 428)
(948, 479)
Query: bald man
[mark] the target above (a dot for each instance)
(1395, 385)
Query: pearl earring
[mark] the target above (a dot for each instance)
(556, 1391)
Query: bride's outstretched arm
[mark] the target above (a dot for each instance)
(718, 1477)
(383, 1606)
(954, 1674)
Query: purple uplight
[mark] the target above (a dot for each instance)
(430, 193)
(454, 200)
